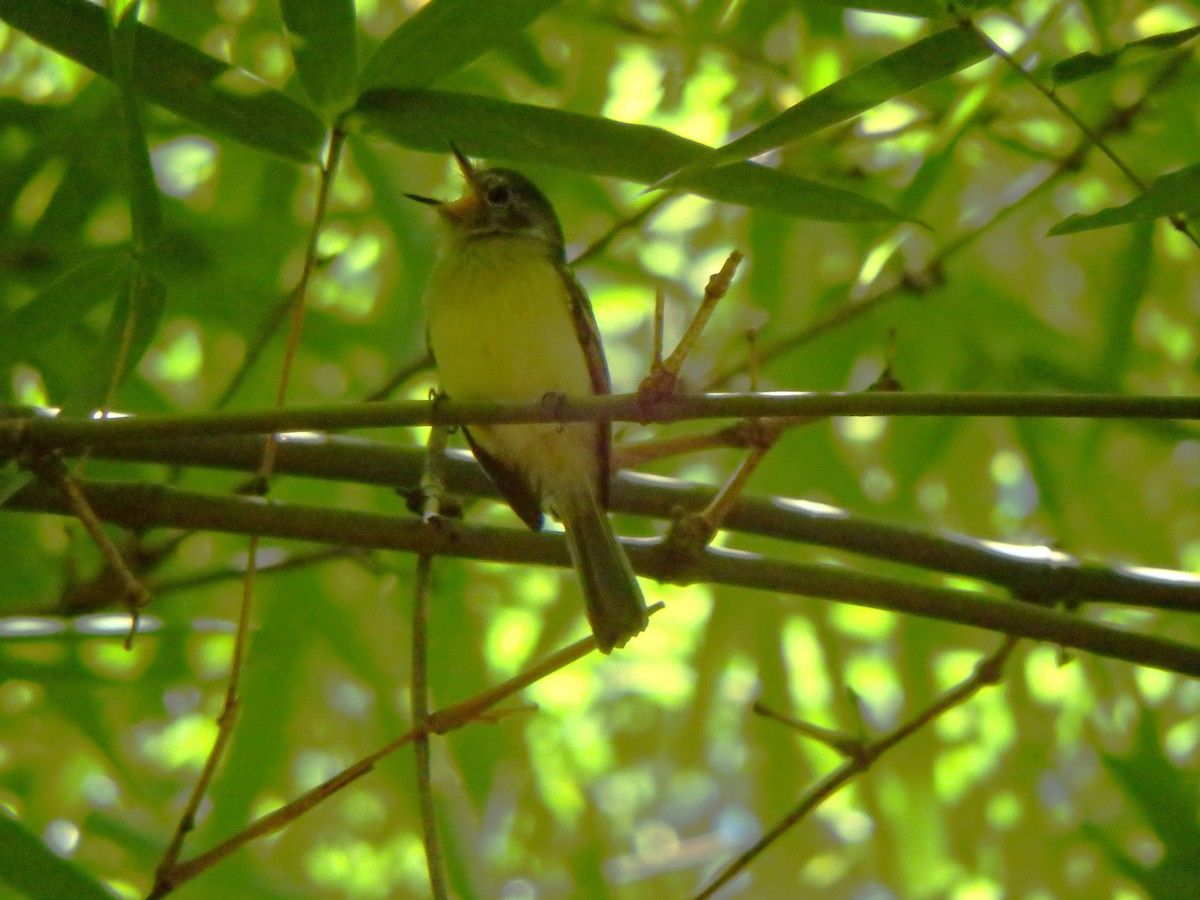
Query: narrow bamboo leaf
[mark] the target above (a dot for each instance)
(1087, 64)
(173, 74)
(32, 870)
(929, 59)
(429, 120)
(1174, 193)
(324, 42)
(1119, 298)
(1166, 797)
(920, 9)
(131, 328)
(12, 480)
(144, 210)
(443, 37)
(940, 159)
(60, 305)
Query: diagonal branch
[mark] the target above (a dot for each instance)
(987, 672)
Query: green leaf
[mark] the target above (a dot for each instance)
(1087, 64)
(31, 869)
(927, 60)
(60, 305)
(428, 120)
(1166, 798)
(1118, 302)
(940, 158)
(145, 213)
(324, 41)
(168, 72)
(1172, 194)
(921, 9)
(12, 480)
(131, 328)
(443, 37)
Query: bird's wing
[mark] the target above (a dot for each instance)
(516, 490)
(593, 351)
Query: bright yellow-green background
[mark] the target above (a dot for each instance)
(638, 774)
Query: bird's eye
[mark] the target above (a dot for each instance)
(497, 195)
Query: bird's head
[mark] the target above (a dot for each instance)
(498, 203)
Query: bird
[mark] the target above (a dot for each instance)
(507, 319)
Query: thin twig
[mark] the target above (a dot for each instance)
(432, 488)
(164, 586)
(420, 705)
(399, 377)
(75, 434)
(258, 344)
(166, 875)
(166, 878)
(50, 469)
(931, 275)
(602, 243)
(660, 311)
(664, 376)
(845, 744)
(987, 672)
(466, 712)
(1094, 137)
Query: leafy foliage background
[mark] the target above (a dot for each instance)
(639, 774)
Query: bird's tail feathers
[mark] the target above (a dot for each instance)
(615, 606)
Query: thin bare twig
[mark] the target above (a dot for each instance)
(50, 469)
(931, 275)
(473, 710)
(664, 376)
(1093, 136)
(635, 220)
(432, 488)
(660, 313)
(434, 863)
(988, 672)
(166, 875)
(401, 375)
(71, 435)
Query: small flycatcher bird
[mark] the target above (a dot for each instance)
(508, 320)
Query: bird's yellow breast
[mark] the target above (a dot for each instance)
(501, 328)
(500, 323)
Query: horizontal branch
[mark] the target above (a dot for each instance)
(76, 433)
(1034, 573)
(140, 507)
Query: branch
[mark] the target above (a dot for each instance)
(987, 672)
(458, 715)
(74, 434)
(141, 506)
(231, 708)
(1036, 573)
(931, 275)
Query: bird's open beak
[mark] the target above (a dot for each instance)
(465, 166)
(465, 207)
(470, 203)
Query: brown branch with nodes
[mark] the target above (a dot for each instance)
(663, 379)
(692, 532)
(860, 755)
